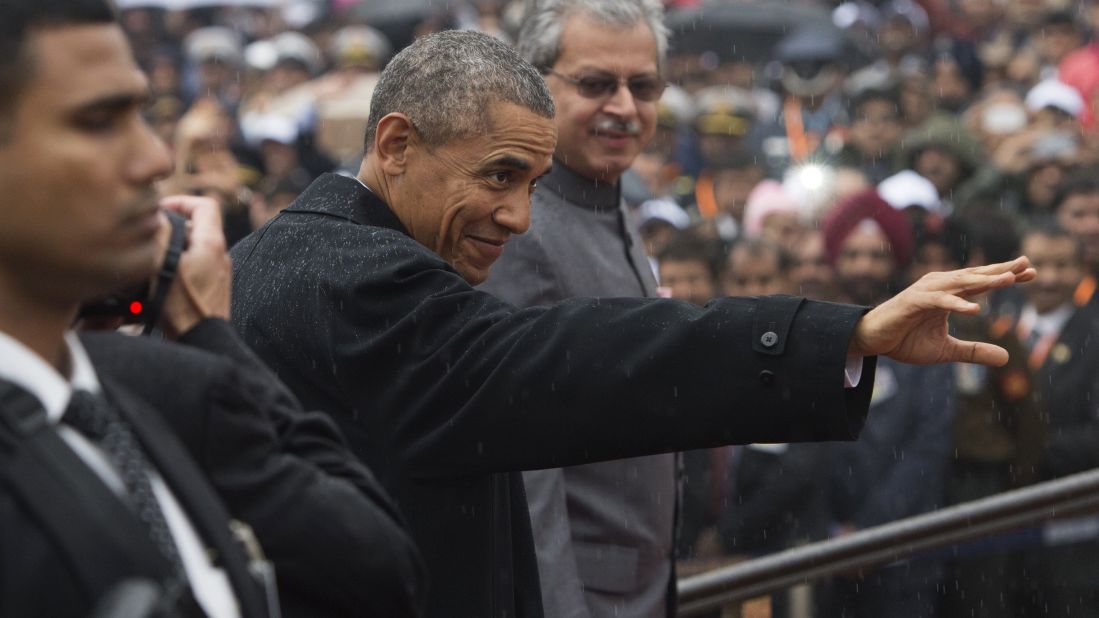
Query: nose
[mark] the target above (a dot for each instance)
(149, 160)
(621, 103)
(514, 214)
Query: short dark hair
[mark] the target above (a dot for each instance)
(993, 233)
(952, 233)
(689, 246)
(1079, 182)
(18, 20)
(1051, 229)
(446, 82)
(755, 247)
(865, 95)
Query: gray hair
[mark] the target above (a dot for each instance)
(446, 82)
(540, 34)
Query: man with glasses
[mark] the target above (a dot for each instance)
(603, 531)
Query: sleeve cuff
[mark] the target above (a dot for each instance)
(852, 372)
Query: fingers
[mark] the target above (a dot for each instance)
(1017, 266)
(975, 352)
(204, 216)
(956, 304)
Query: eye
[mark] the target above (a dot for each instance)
(501, 177)
(99, 121)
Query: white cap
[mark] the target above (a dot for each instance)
(662, 210)
(213, 43)
(1057, 94)
(259, 128)
(297, 46)
(908, 188)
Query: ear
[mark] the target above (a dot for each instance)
(391, 143)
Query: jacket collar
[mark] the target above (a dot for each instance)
(346, 198)
(580, 191)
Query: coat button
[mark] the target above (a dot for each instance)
(767, 377)
(769, 339)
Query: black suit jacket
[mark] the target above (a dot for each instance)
(336, 539)
(1068, 383)
(444, 391)
(64, 570)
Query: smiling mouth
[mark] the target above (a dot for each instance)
(615, 135)
(489, 241)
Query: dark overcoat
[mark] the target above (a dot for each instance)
(446, 391)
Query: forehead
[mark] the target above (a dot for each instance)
(754, 257)
(1082, 201)
(1039, 245)
(516, 131)
(589, 43)
(685, 265)
(71, 65)
(865, 236)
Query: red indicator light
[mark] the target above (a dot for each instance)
(135, 307)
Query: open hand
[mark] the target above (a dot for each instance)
(911, 327)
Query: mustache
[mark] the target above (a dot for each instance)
(629, 127)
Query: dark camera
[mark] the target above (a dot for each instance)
(142, 304)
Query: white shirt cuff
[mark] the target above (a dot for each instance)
(852, 372)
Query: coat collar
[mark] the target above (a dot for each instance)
(580, 191)
(346, 198)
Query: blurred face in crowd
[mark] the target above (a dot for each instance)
(689, 280)
(931, 257)
(1055, 41)
(916, 101)
(464, 198)
(876, 128)
(782, 228)
(810, 274)
(77, 167)
(717, 147)
(950, 85)
(942, 168)
(979, 13)
(754, 271)
(599, 136)
(1059, 270)
(897, 36)
(1079, 214)
(656, 234)
(1041, 184)
(732, 188)
(865, 267)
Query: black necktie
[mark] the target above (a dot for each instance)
(94, 417)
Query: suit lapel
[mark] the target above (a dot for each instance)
(78, 509)
(191, 490)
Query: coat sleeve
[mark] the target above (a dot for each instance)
(466, 384)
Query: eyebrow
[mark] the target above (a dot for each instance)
(509, 161)
(120, 101)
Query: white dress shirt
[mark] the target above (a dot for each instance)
(21, 366)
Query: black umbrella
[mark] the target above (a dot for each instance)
(742, 30)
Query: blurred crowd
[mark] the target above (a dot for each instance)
(836, 151)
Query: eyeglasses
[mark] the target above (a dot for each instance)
(646, 88)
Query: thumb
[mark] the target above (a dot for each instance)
(975, 352)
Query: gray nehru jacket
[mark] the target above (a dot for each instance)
(603, 532)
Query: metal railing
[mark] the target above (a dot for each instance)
(1069, 496)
